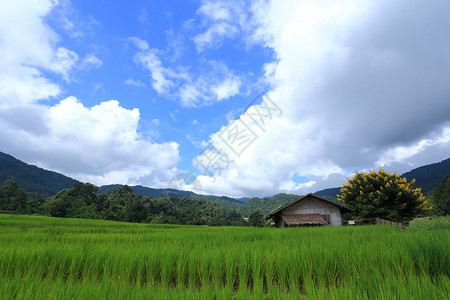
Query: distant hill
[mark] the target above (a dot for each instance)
(231, 203)
(263, 205)
(31, 178)
(427, 178)
(430, 176)
(48, 183)
(329, 194)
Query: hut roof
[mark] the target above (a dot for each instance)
(305, 219)
(276, 211)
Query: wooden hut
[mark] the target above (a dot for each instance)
(309, 210)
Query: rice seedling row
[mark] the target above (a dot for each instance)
(50, 258)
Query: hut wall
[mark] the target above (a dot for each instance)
(313, 205)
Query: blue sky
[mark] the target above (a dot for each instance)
(132, 92)
(112, 32)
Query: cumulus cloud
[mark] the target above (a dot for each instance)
(28, 46)
(100, 143)
(361, 84)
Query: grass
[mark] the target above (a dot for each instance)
(430, 223)
(51, 258)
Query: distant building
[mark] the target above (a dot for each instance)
(310, 210)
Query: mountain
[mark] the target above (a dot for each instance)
(265, 205)
(329, 194)
(48, 183)
(32, 178)
(430, 176)
(427, 178)
(152, 193)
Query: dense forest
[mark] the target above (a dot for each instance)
(32, 190)
(120, 204)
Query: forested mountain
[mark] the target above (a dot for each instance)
(121, 204)
(48, 183)
(429, 177)
(32, 178)
(265, 205)
(329, 194)
(227, 202)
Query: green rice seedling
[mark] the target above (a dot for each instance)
(182, 271)
(50, 258)
(231, 263)
(194, 271)
(244, 271)
(168, 270)
(219, 268)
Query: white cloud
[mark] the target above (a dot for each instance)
(139, 43)
(172, 116)
(216, 10)
(90, 61)
(214, 35)
(403, 153)
(99, 144)
(360, 84)
(136, 83)
(214, 83)
(150, 60)
(28, 46)
(220, 20)
(228, 88)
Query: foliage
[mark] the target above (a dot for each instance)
(82, 201)
(256, 219)
(428, 177)
(52, 258)
(265, 205)
(430, 223)
(12, 198)
(441, 197)
(383, 194)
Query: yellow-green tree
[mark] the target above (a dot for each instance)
(383, 194)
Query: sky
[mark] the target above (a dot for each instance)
(244, 98)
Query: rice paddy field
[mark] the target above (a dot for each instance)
(52, 258)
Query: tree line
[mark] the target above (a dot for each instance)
(120, 204)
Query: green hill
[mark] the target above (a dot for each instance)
(265, 205)
(430, 176)
(47, 183)
(31, 178)
(230, 203)
(427, 178)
